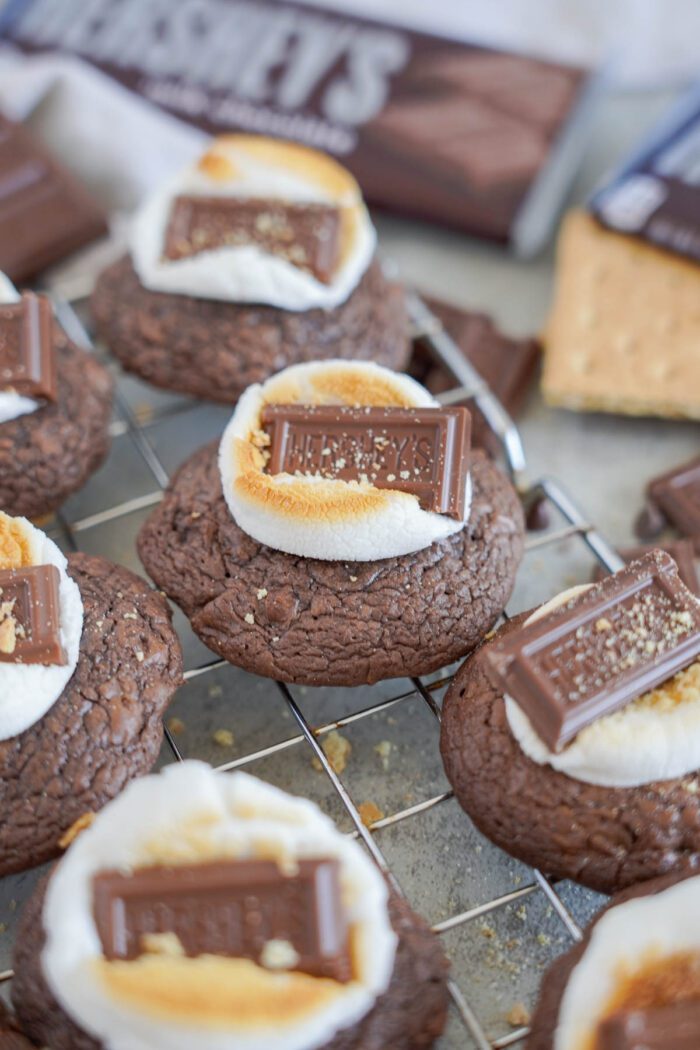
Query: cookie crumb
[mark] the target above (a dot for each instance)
(370, 813)
(162, 944)
(262, 593)
(140, 656)
(249, 618)
(223, 737)
(176, 726)
(79, 825)
(518, 1016)
(544, 939)
(337, 750)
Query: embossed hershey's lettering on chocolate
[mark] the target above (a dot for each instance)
(232, 908)
(30, 616)
(306, 235)
(604, 648)
(422, 451)
(27, 357)
(672, 1027)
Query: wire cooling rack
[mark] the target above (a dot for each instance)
(417, 858)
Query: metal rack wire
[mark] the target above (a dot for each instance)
(470, 386)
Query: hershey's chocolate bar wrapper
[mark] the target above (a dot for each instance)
(656, 193)
(478, 139)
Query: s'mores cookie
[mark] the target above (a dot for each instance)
(343, 531)
(260, 255)
(624, 329)
(213, 910)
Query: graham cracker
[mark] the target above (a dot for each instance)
(624, 331)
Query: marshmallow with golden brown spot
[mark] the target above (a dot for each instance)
(254, 167)
(314, 517)
(626, 942)
(12, 404)
(656, 737)
(28, 691)
(189, 814)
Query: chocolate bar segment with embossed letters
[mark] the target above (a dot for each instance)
(673, 498)
(672, 1027)
(306, 235)
(27, 356)
(600, 650)
(45, 213)
(232, 908)
(422, 451)
(30, 616)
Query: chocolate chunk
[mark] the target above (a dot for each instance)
(680, 550)
(233, 908)
(45, 213)
(602, 649)
(30, 616)
(306, 235)
(27, 356)
(423, 451)
(672, 1027)
(674, 497)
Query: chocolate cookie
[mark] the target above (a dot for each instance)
(409, 1016)
(10, 1036)
(214, 350)
(605, 838)
(106, 726)
(316, 622)
(48, 454)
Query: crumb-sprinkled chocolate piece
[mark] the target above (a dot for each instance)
(681, 551)
(675, 1026)
(422, 451)
(603, 648)
(233, 908)
(306, 235)
(27, 356)
(45, 213)
(30, 629)
(673, 498)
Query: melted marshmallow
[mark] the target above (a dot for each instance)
(28, 691)
(244, 166)
(186, 814)
(656, 737)
(312, 517)
(12, 405)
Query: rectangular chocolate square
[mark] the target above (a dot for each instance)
(232, 908)
(45, 213)
(681, 551)
(602, 649)
(672, 1027)
(423, 451)
(306, 235)
(676, 495)
(27, 357)
(30, 616)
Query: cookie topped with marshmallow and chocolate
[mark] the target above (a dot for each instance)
(55, 407)
(571, 736)
(342, 532)
(215, 907)
(88, 664)
(259, 255)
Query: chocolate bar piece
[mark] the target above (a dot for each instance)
(672, 1027)
(306, 235)
(673, 498)
(232, 908)
(680, 550)
(424, 451)
(604, 648)
(45, 214)
(27, 356)
(30, 616)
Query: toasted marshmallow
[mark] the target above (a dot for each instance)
(165, 1000)
(656, 737)
(254, 167)
(28, 691)
(640, 933)
(313, 517)
(12, 404)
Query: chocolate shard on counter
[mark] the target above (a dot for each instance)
(45, 213)
(672, 1027)
(233, 908)
(422, 451)
(306, 235)
(673, 498)
(30, 629)
(681, 551)
(27, 357)
(601, 650)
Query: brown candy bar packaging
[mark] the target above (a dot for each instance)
(482, 140)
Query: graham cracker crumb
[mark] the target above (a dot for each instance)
(223, 737)
(370, 813)
(518, 1016)
(384, 749)
(262, 593)
(337, 750)
(176, 726)
(78, 826)
(249, 618)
